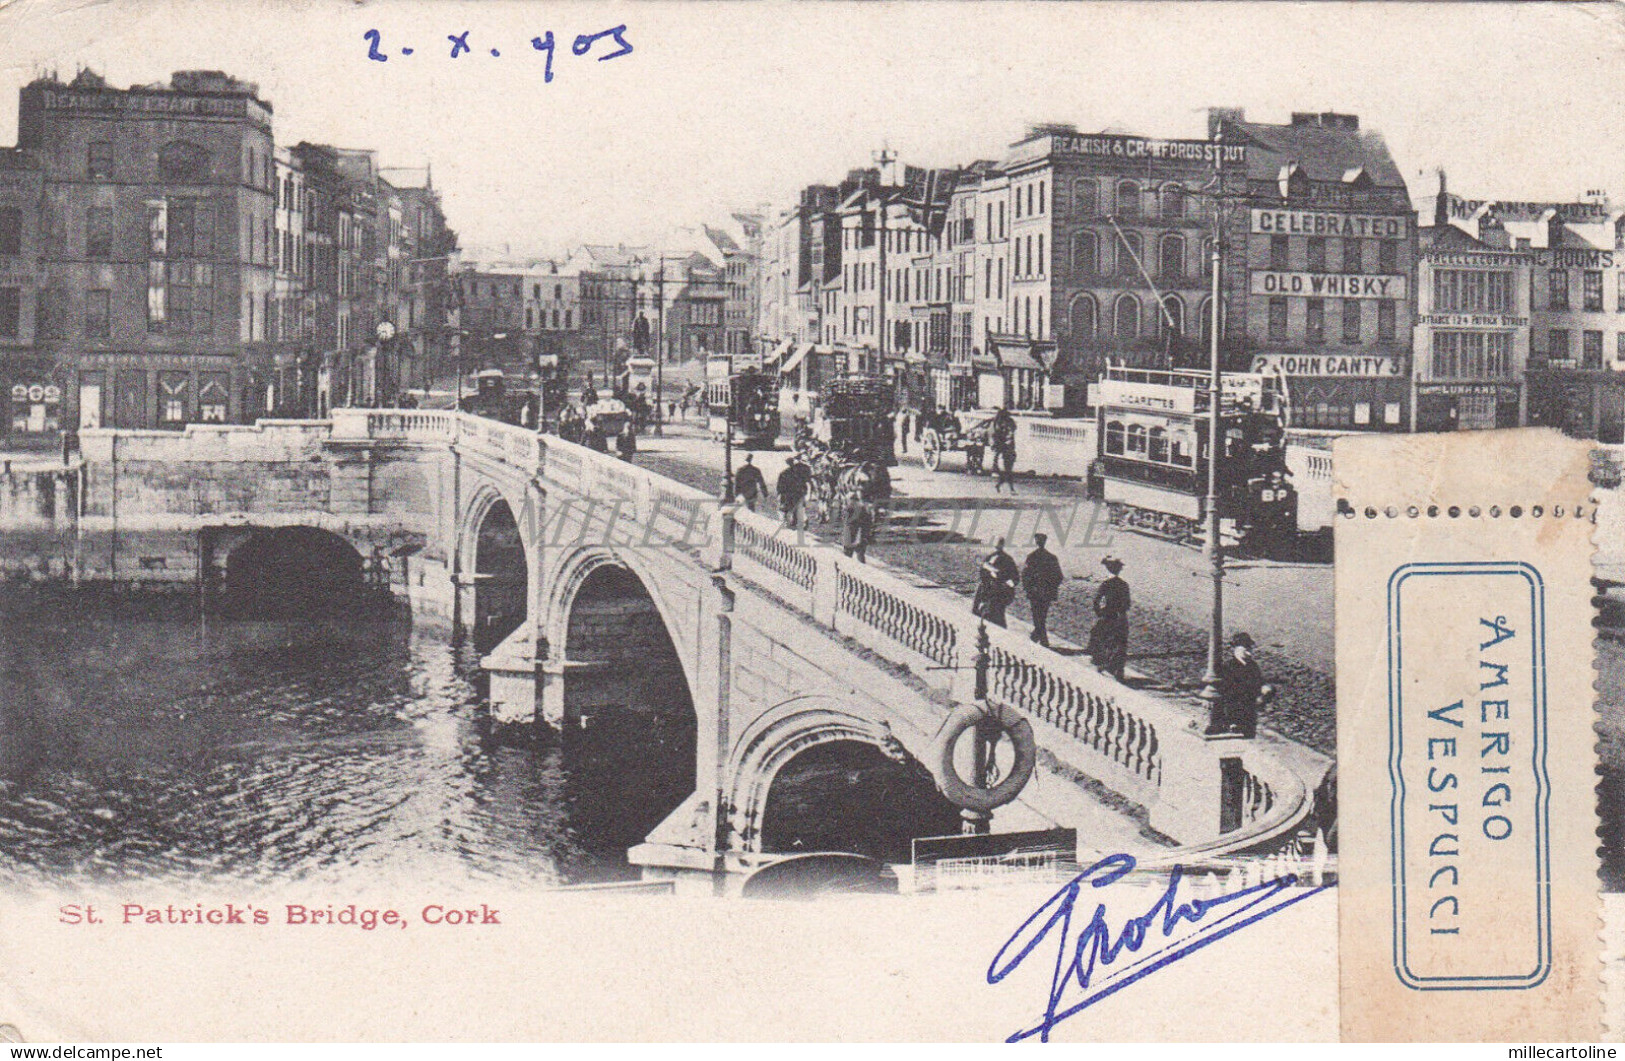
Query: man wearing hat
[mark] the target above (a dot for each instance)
(995, 585)
(1108, 641)
(1241, 690)
(1041, 578)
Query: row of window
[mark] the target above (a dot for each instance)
(1155, 444)
(1130, 319)
(1472, 355)
(1591, 295)
(1317, 260)
(1091, 258)
(1124, 198)
(1314, 323)
(1558, 348)
(1473, 291)
(531, 315)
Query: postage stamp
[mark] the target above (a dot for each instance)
(774, 522)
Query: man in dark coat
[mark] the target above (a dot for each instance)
(1004, 449)
(1241, 690)
(792, 490)
(748, 482)
(858, 527)
(1041, 578)
(995, 585)
(1108, 641)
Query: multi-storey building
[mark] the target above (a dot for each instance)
(1577, 313)
(608, 282)
(29, 380)
(156, 260)
(423, 333)
(1320, 262)
(290, 386)
(1472, 325)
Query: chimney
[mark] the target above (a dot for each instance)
(1217, 116)
(1327, 120)
(1441, 203)
(1554, 230)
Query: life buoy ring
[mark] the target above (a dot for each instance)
(961, 794)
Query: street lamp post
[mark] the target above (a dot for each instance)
(660, 350)
(1214, 549)
(728, 438)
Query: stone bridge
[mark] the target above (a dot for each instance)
(587, 576)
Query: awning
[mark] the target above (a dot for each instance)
(778, 352)
(987, 359)
(796, 358)
(1024, 353)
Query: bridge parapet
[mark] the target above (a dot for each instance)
(1147, 749)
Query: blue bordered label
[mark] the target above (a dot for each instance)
(1467, 758)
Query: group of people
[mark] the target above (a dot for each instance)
(856, 502)
(1241, 686)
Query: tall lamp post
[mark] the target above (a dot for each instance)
(728, 438)
(1215, 549)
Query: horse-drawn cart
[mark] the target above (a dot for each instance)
(970, 433)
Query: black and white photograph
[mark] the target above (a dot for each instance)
(750, 451)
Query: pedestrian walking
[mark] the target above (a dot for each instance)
(1004, 449)
(626, 443)
(1041, 578)
(671, 410)
(995, 585)
(858, 528)
(792, 490)
(748, 482)
(1108, 640)
(1242, 691)
(902, 432)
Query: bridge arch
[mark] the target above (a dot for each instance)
(287, 570)
(495, 550)
(589, 566)
(819, 732)
(624, 693)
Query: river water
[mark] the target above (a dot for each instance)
(140, 741)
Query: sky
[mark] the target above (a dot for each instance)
(725, 106)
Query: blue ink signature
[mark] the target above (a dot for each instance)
(1077, 959)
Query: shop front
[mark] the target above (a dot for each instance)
(1467, 406)
(167, 394)
(1014, 373)
(1343, 392)
(35, 410)
(1580, 403)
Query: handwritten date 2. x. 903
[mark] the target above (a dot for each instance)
(1077, 957)
(616, 46)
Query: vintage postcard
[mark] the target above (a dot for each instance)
(899, 522)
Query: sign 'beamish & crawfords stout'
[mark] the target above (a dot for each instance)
(1205, 151)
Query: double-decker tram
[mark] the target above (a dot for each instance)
(1152, 456)
(743, 401)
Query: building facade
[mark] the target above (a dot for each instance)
(29, 379)
(1325, 235)
(156, 264)
(1472, 331)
